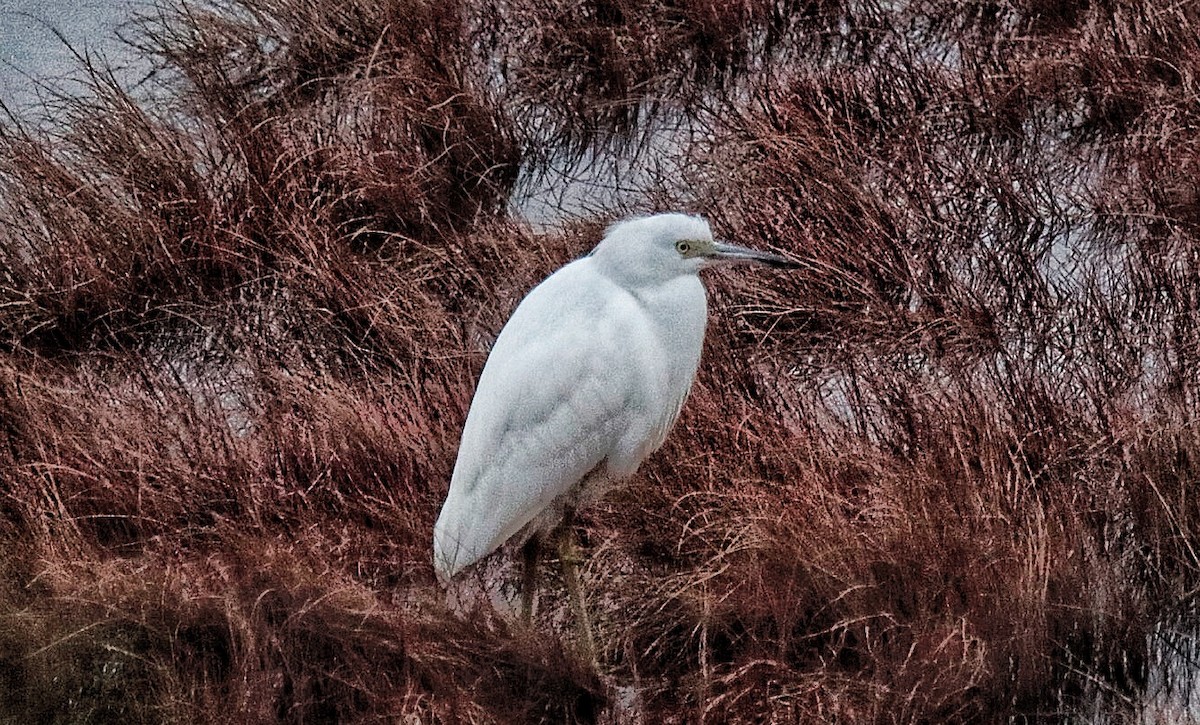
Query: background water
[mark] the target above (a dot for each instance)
(32, 53)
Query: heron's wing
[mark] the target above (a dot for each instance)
(548, 409)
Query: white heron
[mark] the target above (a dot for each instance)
(582, 384)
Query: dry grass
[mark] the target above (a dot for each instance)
(944, 473)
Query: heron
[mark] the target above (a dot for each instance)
(583, 382)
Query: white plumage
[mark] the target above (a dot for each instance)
(584, 381)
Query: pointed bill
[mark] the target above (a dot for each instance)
(731, 254)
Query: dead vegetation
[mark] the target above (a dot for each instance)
(945, 473)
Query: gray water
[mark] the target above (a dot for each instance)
(32, 53)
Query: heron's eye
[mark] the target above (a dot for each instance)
(683, 247)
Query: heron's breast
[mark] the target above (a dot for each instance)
(662, 352)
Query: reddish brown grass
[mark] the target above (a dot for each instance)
(943, 473)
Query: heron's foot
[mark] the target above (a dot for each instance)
(571, 557)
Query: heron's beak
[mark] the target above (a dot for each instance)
(733, 254)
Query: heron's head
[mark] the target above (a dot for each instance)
(651, 249)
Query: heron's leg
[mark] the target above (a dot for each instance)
(530, 552)
(569, 560)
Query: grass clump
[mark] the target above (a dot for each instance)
(943, 473)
